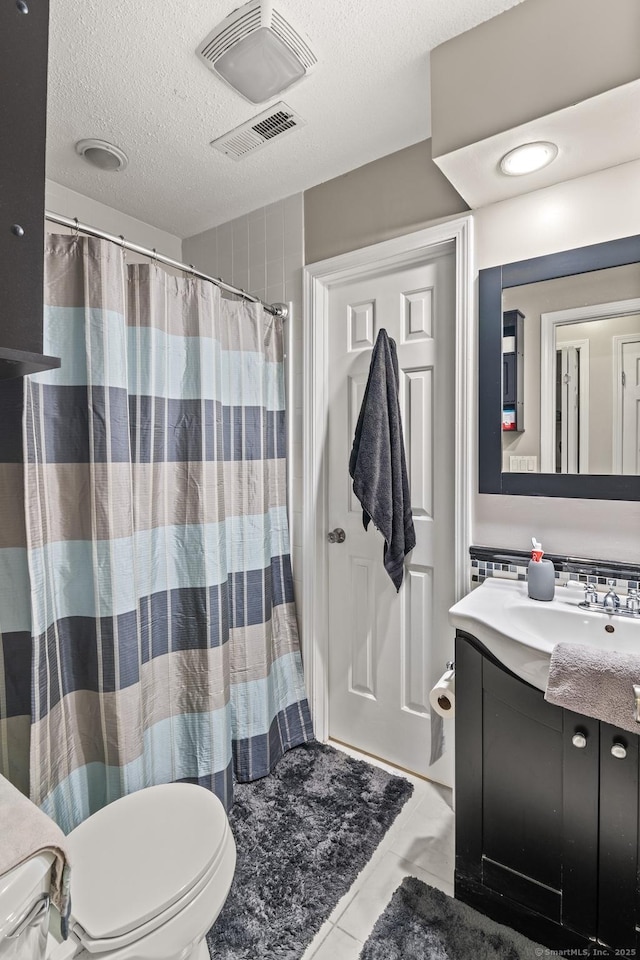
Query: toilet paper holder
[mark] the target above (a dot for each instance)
(444, 702)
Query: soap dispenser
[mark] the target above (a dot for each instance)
(541, 577)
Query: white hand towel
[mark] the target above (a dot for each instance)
(595, 683)
(26, 831)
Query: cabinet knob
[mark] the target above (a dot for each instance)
(579, 740)
(17, 230)
(22, 6)
(618, 750)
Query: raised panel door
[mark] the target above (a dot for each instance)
(386, 649)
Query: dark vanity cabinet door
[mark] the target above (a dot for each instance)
(510, 747)
(618, 838)
(24, 26)
(521, 793)
(580, 812)
(546, 814)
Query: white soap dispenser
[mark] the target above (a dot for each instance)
(541, 577)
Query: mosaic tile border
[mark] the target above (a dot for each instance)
(512, 565)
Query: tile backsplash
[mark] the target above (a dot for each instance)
(512, 565)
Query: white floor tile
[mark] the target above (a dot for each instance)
(320, 936)
(426, 837)
(372, 898)
(338, 945)
(344, 901)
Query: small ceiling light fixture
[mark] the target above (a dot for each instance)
(257, 52)
(528, 157)
(105, 156)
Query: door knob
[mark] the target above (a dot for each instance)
(337, 536)
(579, 740)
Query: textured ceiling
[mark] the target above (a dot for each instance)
(127, 72)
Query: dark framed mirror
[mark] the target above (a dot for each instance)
(556, 332)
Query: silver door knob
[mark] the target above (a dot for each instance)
(337, 536)
(579, 740)
(619, 751)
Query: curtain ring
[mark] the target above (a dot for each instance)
(123, 245)
(154, 256)
(77, 230)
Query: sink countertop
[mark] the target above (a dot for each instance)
(521, 632)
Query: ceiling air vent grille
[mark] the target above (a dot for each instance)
(277, 121)
(275, 124)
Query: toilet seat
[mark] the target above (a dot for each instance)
(141, 860)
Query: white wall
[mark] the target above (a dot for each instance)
(69, 203)
(602, 206)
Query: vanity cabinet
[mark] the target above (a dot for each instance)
(546, 812)
(24, 28)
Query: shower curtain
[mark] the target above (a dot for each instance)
(162, 622)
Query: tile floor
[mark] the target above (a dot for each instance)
(418, 844)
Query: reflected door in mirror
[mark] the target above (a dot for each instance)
(581, 334)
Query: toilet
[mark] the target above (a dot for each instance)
(24, 909)
(149, 875)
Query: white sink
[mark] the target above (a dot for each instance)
(521, 633)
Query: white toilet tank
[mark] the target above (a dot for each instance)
(24, 909)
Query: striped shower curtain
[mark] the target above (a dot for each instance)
(162, 625)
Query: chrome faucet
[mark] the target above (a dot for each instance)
(611, 600)
(590, 593)
(633, 601)
(610, 603)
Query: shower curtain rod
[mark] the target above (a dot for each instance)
(276, 309)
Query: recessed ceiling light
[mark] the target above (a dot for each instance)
(101, 154)
(528, 157)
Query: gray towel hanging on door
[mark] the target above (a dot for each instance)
(377, 463)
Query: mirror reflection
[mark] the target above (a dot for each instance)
(571, 374)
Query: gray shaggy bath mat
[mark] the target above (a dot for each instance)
(422, 923)
(303, 834)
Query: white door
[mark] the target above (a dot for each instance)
(574, 406)
(631, 407)
(386, 649)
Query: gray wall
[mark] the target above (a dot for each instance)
(537, 57)
(387, 198)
